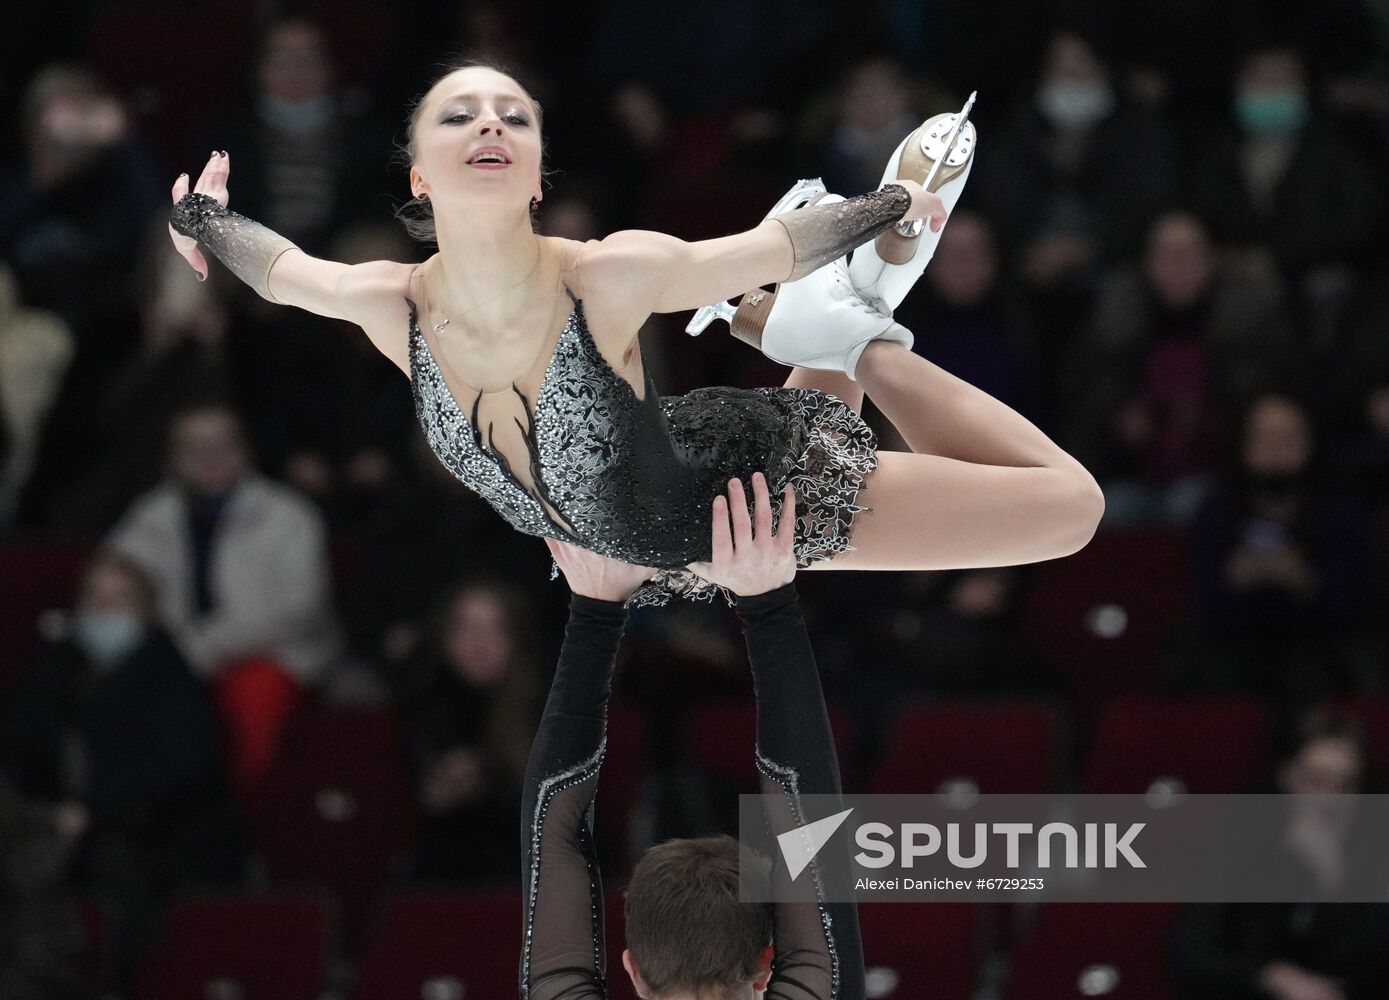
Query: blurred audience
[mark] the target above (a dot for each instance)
(471, 706)
(184, 357)
(874, 115)
(1301, 950)
(1278, 559)
(287, 149)
(36, 348)
(72, 212)
(1075, 176)
(1284, 181)
(1174, 347)
(242, 568)
(108, 722)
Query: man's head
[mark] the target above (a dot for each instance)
(208, 454)
(688, 935)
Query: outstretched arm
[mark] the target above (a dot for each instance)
(563, 948)
(270, 263)
(659, 273)
(817, 953)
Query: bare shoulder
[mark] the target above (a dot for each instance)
(621, 260)
(618, 279)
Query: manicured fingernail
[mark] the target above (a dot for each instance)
(182, 176)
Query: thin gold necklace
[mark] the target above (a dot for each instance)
(440, 327)
(544, 340)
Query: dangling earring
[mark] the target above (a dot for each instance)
(535, 203)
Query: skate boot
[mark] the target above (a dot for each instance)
(938, 156)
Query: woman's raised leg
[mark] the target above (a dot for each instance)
(985, 486)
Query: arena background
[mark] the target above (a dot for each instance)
(1171, 256)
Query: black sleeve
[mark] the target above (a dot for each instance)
(817, 952)
(562, 954)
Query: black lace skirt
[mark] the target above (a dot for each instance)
(809, 438)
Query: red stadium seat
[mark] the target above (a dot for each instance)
(263, 947)
(1214, 745)
(444, 944)
(720, 738)
(1111, 950)
(1100, 617)
(997, 748)
(335, 809)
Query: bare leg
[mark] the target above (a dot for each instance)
(939, 414)
(835, 383)
(985, 488)
(929, 512)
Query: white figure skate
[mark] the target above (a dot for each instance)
(818, 321)
(938, 156)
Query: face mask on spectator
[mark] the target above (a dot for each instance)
(107, 636)
(297, 116)
(1073, 104)
(1271, 112)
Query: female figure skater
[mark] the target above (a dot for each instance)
(524, 364)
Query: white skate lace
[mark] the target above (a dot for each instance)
(843, 289)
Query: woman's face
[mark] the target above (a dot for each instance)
(1277, 438)
(1179, 262)
(107, 588)
(466, 112)
(1328, 766)
(477, 640)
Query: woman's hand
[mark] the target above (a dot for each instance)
(213, 183)
(925, 205)
(595, 576)
(751, 559)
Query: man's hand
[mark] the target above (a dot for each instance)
(749, 559)
(599, 577)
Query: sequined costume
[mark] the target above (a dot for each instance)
(629, 477)
(817, 954)
(633, 478)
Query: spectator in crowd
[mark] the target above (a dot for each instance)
(471, 711)
(1278, 554)
(874, 114)
(42, 946)
(73, 211)
(1173, 347)
(36, 348)
(1074, 178)
(1285, 181)
(426, 532)
(1304, 950)
(289, 145)
(184, 357)
(241, 563)
(967, 321)
(310, 162)
(109, 723)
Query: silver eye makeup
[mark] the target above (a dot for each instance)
(511, 118)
